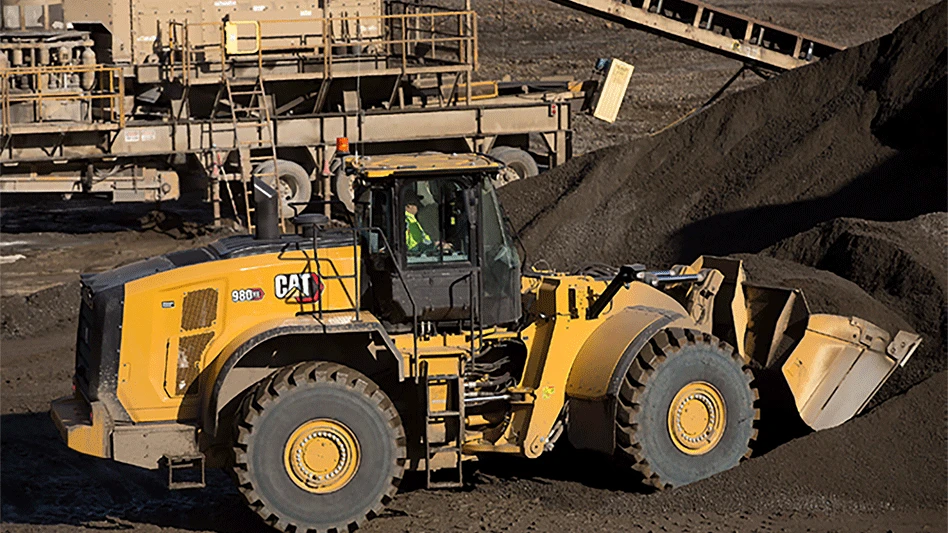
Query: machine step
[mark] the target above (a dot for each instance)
(448, 427)
(445, 484)
(443, 414)
(181, 464)
(434, 450)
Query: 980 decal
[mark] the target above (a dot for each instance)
(246, 295)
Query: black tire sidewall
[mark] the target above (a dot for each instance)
(515, 158)
(351, 503)
(695, 362)
(289, 171)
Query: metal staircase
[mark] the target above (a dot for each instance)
(754, 42)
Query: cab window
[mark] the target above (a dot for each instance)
(437, 229)
(374, 210)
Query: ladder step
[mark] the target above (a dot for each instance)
(443, 449)
(445, 485)
(246, 93)
(444, 414)
(242, 82)
(185, 463)
(259, 142)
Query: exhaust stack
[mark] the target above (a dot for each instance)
(268, 221)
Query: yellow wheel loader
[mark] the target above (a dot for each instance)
(321, 365)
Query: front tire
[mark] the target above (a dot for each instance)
(686, 409)
(319, 447)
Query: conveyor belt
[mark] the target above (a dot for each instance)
(757, 43)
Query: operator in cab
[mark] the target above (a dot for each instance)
(416, 238)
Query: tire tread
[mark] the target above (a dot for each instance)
(666, 344)
(285, 379)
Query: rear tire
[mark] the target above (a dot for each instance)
(521, 162)
(318, 420)
(686, 409)
(295, 185)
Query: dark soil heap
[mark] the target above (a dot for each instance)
(775, 169)
(861, 134)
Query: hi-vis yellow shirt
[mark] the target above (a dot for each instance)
(414, 233)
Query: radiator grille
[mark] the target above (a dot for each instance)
(199, 309)
(190, 350)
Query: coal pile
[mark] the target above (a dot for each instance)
(830, 178)
(860, 135)
(825, 292)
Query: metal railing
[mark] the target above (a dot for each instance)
(179, 56)
(37, 89)
(440, 37)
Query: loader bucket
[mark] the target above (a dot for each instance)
(833, 365)
(840, 364)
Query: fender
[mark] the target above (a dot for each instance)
(217, 373)
(602, 363)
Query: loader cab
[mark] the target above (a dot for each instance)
(438, 245)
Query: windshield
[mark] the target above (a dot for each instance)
(501, 261)
(437, 229)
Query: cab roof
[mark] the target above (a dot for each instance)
(382, 166)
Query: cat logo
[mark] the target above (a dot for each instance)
(297, 288)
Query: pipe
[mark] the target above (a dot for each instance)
(268, 221)
(487, 398)
(689, 278)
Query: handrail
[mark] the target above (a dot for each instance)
(392, 36)
(109, 86)
(5, 118)
(411, 299)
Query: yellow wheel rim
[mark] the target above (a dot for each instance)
(322, 456)
(696, 418)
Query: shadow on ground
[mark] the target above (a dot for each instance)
(32, 213)
(43, 482)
